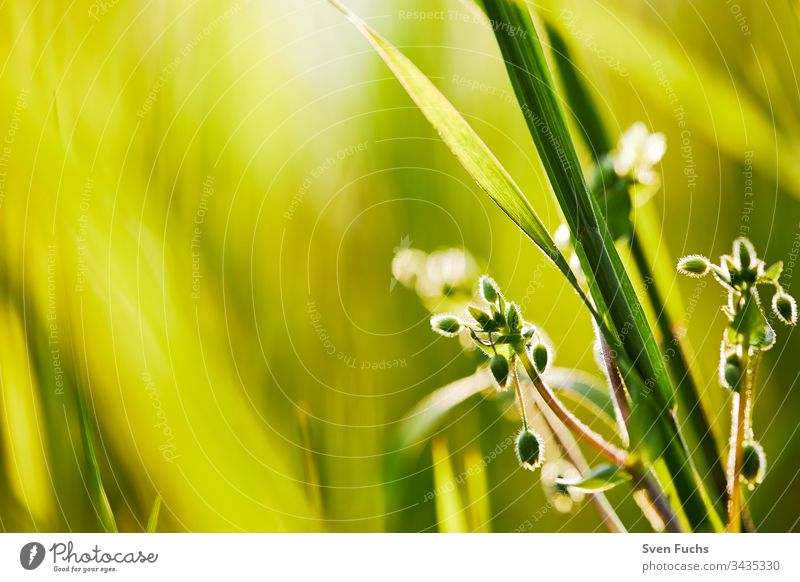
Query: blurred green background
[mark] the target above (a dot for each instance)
(199, 205)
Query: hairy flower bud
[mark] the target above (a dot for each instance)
(694, 266)
(499, 367)
(785, 307)
(446, 324)
(754, 463)
(541, 357)
(732, 372)
(530, 449)
(489, 289)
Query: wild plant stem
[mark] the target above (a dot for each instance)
(739, 418)
(622, 409)
(648, 482)
(583, 432)
(564, 438)
(520, 399)
(686, 388)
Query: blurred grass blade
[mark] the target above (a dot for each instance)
(424, 418)
(583, 109)
(585, 390)
(479, 512)
(473, 154)
(450, 514)
(98, 492)
(152, 521)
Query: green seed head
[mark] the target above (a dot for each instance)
(530, 450)
(732, 372)
(446, 324)
(499, 367)
(694, 266)
(489, 289)
(754, 463)
(541, 357)
(785, 307)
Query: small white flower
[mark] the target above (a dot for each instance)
(637, 152)
(447, 272)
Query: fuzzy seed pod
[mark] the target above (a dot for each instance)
(732, 372)
(541, 357)
(754, 463)
(785, 307)
(446, 324)
(489, 289)
(499, 367)
(530, 449)
(694, 266)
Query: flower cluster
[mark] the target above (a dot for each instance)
(748, 334)
(498, 329)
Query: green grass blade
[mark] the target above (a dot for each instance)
(479, 513)
(589, 120)
(651, 387)
(450, 514)
(585, 390)
(422, 421)
(152, 521)
(98, 492)
(473, 154)
(612, 289)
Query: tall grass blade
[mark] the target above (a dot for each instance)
(152, 521)
(98, 492)
(653, 426)
(450, 514)
(588, 118)
(473, 154)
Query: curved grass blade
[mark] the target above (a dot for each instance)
(473, 154)
(425, 417)
(585, 390)
(98, 492)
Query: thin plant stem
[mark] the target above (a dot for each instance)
(583, 432)
(622, 409)
(739, 418)
(686, 388)
(646, 481)
(566, 441)
(520, 399)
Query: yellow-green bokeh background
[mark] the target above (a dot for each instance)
(200, 202)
